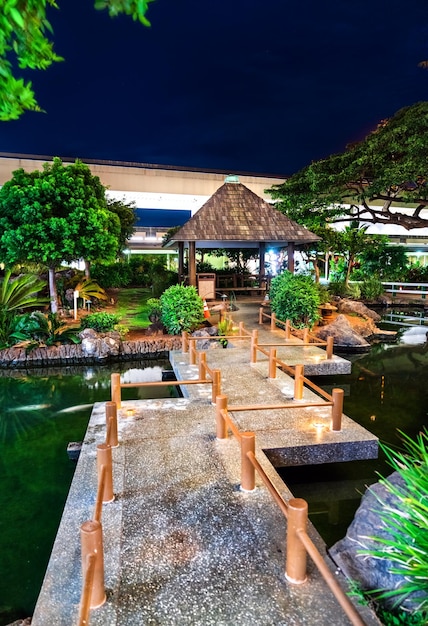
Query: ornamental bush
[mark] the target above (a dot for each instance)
(181, 309)
(100, 322)
(295, 297)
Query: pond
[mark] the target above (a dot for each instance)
(386, 392)
(41, 412)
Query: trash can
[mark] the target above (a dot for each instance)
(206, 286)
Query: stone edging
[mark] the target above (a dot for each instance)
(71, 354)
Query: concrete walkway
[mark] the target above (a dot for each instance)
(183, 544)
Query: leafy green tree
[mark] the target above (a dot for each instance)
(23, 41)
(126, 213)
(56, 215)
(17, 295)
(374, 181)
(354, 240)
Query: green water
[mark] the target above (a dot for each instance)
(386, 392)
(40, 412)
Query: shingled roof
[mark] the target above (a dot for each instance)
(234, 213)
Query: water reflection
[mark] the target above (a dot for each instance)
(40, 412)
(386, 392)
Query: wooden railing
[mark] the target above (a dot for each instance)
(295, 510)
(309, 339)
(207, 376)
(91, 535)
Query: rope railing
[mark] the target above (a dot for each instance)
(295, 510)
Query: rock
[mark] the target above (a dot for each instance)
(206, 344)
(100, 346)
(358, 308)
(343, 333)
(368, 572)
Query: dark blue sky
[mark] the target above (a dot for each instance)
(240, 85)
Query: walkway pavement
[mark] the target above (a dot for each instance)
(183, 544)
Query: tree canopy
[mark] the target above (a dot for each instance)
(381, 180)
(55, 215)
(23, 40)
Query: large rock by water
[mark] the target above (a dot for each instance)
(350, 553)
(353, 307)
(343, 334)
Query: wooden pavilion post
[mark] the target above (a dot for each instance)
(290, 256)
(180, 261)
(262, 251)
(192, 263)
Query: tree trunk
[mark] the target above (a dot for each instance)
(348, 269)
(53, 291)
(87, 269)
(316, 265)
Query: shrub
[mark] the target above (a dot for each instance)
(153, 309)
(100, 322)
(295, 297)
(371, 288)
(181, 309)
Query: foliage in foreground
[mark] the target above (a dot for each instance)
(407, 522)
(23, 28)
(37, 329)
(182, 309)
(16, 295)
(295, 297)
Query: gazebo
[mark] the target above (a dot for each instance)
(236, 217)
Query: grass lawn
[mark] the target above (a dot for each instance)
(131, 307)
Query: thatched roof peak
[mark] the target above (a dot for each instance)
(234, 213)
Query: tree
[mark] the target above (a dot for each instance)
(381, 180)
(354, 240)
(56, 215)
(126, 214)
(23, 27)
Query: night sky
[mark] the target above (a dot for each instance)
(238, 85)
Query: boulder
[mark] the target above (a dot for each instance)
(358, 308)
(349, 553)
(100, 346)
(343, 334)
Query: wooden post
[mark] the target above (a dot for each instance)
(91, 540)
(116, 395)
(287, 329)
(330, 347)
(297, 520)
(337, 409)
(273, 321)
(261, 315)
(298, 381)
(104, 459)
(192, 353)
(216, 390)
(306, 335)
(248, 472)
(111, 422)
(203, 365)
(272, 363)
(254, 340)
(184, 342)
(221, 426)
